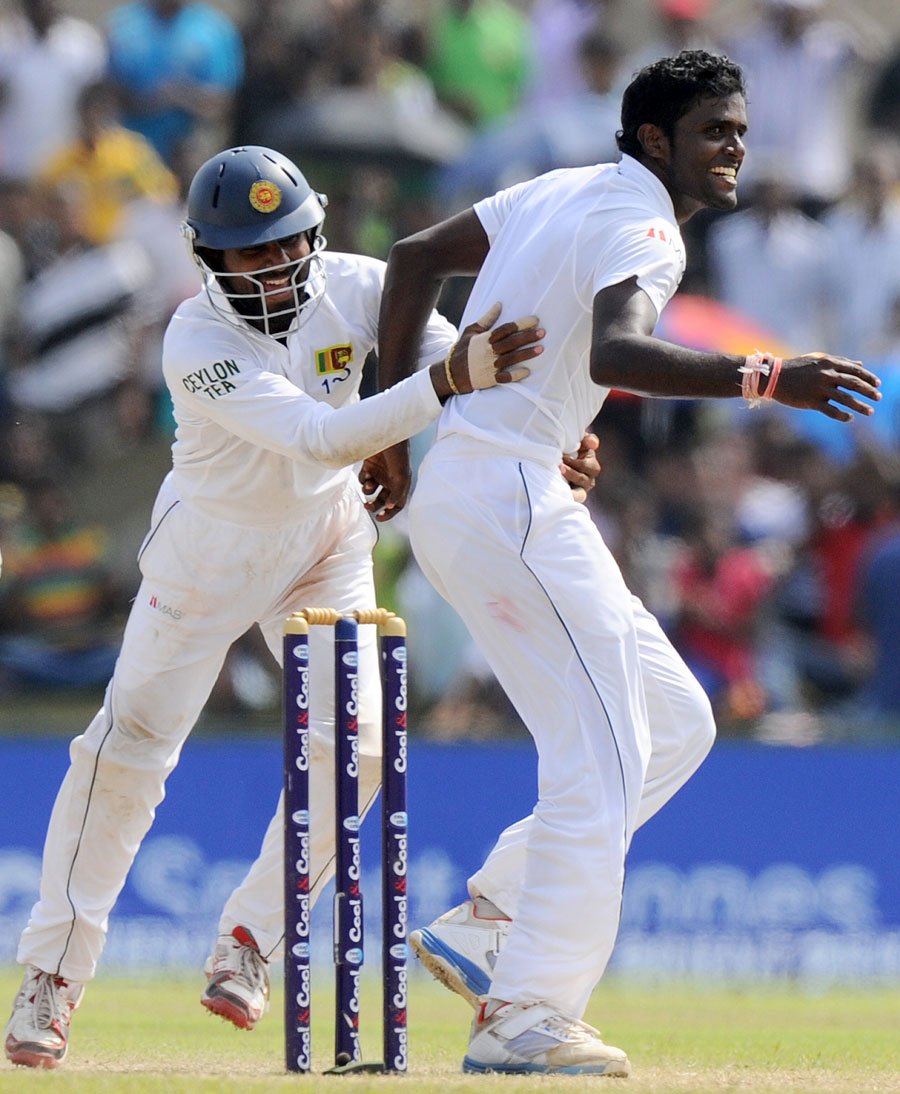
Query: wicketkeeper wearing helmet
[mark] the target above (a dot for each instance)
(260, 515)
(231, 207)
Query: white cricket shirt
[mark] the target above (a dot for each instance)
(257, 441)
(556, 241)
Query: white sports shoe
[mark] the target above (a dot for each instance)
(525, 1038)
(238, 974)
(37, 1034)
(460, 947)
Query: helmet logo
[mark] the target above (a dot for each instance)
(265, 196)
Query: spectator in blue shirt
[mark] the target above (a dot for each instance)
(177, 66)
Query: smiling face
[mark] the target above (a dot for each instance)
(265, 283)
(272, 265)
(699, 164)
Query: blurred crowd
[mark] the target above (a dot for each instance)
(767, 542)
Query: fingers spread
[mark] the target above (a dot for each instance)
(832, 412)
(853, 403)
(515, 327)
(512, 373)
(485, 358)
(845, 367)
(860, 385)
(490, 317)
(526, 322)
(516, 341)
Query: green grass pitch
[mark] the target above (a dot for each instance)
(142, 1035)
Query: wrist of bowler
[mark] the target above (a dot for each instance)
(484, 357)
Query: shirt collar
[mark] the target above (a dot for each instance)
(644, 180)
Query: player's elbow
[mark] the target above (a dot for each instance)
(412, 258)
(618, 359)
(337, 456)
(606, 362)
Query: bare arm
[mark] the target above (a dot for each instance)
(417, 267)
(625, 355)
(482, 356)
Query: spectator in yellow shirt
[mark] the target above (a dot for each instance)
(108, 166)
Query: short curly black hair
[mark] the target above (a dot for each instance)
(666, 90)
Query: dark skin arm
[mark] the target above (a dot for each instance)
(511, 346)
(417, 267)
(624, 355)
(455, 247)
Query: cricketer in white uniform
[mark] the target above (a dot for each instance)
(260, 515)
(587, 667)
(618, 720)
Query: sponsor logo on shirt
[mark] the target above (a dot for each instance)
(165, 609)
(212, 380)
(673, 241)
(667, 237)
(333, 365)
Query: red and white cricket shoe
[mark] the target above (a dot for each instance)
(238, 975)
(37, 1034)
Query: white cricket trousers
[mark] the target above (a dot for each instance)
(618, 720)
(205, 582)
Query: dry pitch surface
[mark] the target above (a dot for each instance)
(143, 1036)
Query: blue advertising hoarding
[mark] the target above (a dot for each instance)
(771, 863)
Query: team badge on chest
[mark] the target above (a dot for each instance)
(333, 365)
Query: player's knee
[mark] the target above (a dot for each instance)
(130, 739)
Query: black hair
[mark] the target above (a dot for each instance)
(666, 90)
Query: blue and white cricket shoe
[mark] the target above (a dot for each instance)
(460, 948)
(534, 1038)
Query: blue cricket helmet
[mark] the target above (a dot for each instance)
(250, 195)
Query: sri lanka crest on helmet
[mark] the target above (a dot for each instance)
(265, 196)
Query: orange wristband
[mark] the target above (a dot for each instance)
(769, 393)
(756, 365)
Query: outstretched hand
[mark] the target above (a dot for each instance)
(484, 357)
(582, 470)
(816, 381)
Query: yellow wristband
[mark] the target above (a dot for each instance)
(448, 373)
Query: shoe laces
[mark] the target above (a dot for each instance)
(251, 966)
(49, 1007)
(570, 1029)
(591, 1031)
